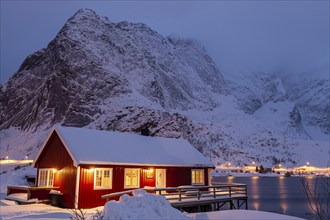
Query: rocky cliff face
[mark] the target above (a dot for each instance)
(92, 60)
(127, 77)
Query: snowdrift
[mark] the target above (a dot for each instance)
(141, 205)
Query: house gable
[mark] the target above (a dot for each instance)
(54, 148)
(54, 135)
(54, 155)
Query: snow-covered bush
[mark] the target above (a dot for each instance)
(141, 205)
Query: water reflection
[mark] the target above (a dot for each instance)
(284, 206)
(283, 195)
(255, 206)
(282, 187)
(254, 190)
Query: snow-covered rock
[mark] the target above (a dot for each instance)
(141, 205)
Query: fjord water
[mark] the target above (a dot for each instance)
(284, 195)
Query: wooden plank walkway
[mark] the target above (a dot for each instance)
(199, 198)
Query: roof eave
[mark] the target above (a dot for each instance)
(95, 163)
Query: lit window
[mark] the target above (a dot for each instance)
(132, 178)
(46, 177)
(197, 177)
(103, 178)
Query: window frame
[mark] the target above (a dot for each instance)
(138, 178)
(192, 173)
(49, 178)
(102, 175)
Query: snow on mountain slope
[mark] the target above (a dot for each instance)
(127, 77)
(253, 89)
(92, 59)
(312, 96)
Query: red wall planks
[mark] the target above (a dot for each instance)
(88, 197)
(54, 155)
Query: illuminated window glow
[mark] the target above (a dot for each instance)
(132, 178)
(197, 177)
(46, 177)
(103, 178)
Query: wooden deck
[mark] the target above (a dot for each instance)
(199, 198)
(33, 194)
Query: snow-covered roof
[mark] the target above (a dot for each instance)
(88, 146)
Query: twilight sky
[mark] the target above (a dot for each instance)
(290, 36)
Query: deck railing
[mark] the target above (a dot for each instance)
(215, 196)
(188, 193)
(185, 193)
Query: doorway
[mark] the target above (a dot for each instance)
(160, 178)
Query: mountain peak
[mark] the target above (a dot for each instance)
(127, 77)
(93, 61)
(84, 13)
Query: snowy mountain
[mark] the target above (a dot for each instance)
(312, 97)
(126, 77)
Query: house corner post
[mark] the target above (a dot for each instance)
(76, 196)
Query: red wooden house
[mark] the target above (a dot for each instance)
(84, 164)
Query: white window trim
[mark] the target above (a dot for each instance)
(103, 187)
(47, 179)
(203, 177)
(138, 178)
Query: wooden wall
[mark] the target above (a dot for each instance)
(54, 155)
(88, 197)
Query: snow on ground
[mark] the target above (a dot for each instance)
(141, 205)
(11, 210)
(241, 214)
(39, 211)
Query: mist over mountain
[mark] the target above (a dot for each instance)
(126, 77)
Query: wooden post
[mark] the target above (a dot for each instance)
(179, 194)
(214, 192)
(29, 193)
